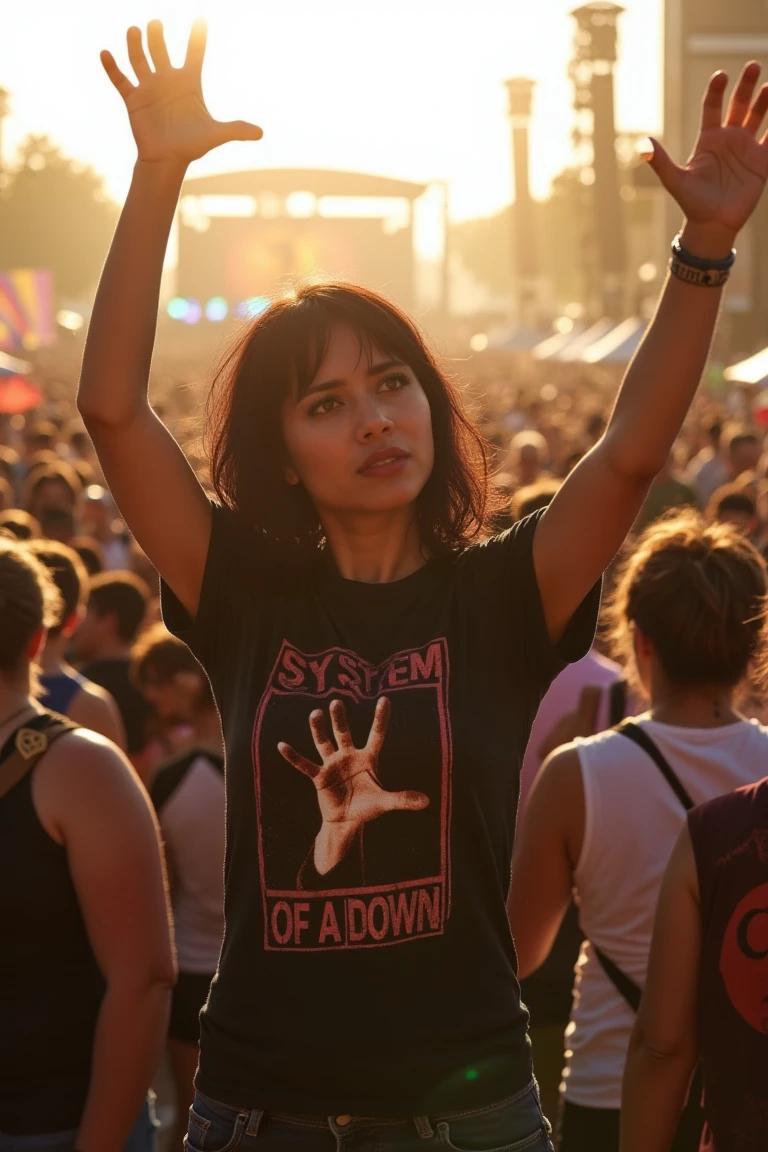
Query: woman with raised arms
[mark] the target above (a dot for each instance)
(376, 658)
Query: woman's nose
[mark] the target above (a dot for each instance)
(373, 421)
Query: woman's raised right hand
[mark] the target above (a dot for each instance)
(169, 119)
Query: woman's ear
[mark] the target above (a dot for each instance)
(36, 644)
(290, 476)
(643, 646)
(72, 624)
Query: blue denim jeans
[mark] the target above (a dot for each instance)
(512, 1125)
(142, 1138)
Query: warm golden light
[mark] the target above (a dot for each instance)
(410, 88)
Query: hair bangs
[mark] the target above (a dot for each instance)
(311, 323)
(280, 354)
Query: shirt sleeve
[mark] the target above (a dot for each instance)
(502, 574)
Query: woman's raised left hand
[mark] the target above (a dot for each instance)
(723, 180)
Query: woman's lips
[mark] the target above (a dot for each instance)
(385, 467)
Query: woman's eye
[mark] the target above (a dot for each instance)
(325, 405)
(394, 383)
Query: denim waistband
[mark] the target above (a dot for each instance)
(347, 1121)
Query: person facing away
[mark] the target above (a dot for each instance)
(689, 613)
(188, 795)
(705, 995)
(117, 606)
(709, 470)
(87, 966)
(376, 660)
(64, 689)
(577, 702)
(667, 492)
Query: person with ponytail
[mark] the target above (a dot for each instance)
(87, 964)
(377, 654)
(688, 620)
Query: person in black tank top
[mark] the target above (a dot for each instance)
(87, 964)
(376, 653)
(707, 989)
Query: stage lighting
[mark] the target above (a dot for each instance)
(193, 313)
(216, 309)
(177, 308)
(254, 306)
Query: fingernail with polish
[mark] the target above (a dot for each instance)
(645, 148)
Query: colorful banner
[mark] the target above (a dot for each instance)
(26, 309)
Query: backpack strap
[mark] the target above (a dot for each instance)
(640, 737)
(27, 745)
(626, 988)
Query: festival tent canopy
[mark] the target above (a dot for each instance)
(617, 346)
(10, 366)
(548, 349)
(574, 350)
(17, 394)
(751, 371)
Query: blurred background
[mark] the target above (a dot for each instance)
(476, 162)
(479, 164)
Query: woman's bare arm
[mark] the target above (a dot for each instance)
(89, 799)
(662, 1050)
(717, 191)
(94, 708)
(154, 486)
(547, 849)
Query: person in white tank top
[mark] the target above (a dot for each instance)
(602, 819)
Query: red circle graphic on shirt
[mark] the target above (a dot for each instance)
(744, 958)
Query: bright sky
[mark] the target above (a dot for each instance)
(408, 88)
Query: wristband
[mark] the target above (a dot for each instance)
(685, 257)
(698, 277)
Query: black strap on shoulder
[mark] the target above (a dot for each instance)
(626, 988)
(621, 982)
(27, 744)
(617, 702)
(51, 724)
(638, 736)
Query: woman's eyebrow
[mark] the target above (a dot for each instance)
(373, 370)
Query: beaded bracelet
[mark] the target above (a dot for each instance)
(699, 277)
(703, 263)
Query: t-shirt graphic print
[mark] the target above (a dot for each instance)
(354, 829)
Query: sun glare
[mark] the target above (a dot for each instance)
(410, 88)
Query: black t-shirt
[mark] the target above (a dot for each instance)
(380, 980)
(114, 674)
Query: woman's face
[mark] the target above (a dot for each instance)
(361, 439)
(172, 698)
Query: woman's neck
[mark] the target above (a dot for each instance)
(51, 659)
(710, 706)
(15, 702)
(375, 549)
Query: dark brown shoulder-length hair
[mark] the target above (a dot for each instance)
(283, 348)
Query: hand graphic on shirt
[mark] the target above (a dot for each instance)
(348, 790)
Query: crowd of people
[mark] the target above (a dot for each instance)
(109, 664)
(278, 724)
